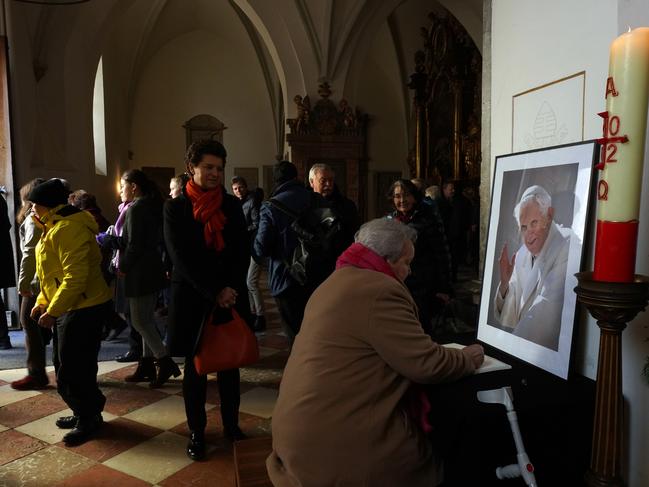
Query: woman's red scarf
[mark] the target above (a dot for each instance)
(357, 255)
(416, 400)
(207, 210)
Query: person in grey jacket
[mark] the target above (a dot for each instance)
(36, 337)
(250, 206)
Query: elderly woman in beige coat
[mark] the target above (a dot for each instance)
(340, 418)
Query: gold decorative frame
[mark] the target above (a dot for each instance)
(541, 124)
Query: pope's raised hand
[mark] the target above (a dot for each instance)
(506, 269)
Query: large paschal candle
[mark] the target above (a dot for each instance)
(622, 156)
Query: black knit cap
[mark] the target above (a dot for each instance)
(51, 193)
(284, 171)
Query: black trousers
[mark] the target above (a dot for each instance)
(291, 304)
(4, 327)
(77, 338)
(195, 396)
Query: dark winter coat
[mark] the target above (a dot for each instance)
(275, 239)
(199, 273)
(431, 266)
(140, 260)
(7, 269)
(347, 212)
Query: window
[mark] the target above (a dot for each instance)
(99, 122)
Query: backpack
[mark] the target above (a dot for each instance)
(318, 230)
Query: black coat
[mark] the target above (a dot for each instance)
(199, 273)
(346, 210)
(431, 267)
(141, 259)
(7, 269)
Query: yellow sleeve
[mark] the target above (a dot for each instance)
(71, 244)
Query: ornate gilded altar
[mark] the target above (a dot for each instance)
(446, 104)
(331, 134)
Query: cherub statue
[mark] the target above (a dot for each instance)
(303, 113)
(348, 115)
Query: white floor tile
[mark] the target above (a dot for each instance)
(9, 395)
(11, 375)
(155, 459)
(164, 414)
(110, 366)
(259, 401)
(45, 428)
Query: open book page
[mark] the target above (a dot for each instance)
(490, 364)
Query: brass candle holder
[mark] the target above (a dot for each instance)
(613, 305)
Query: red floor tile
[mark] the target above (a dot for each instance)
(213, 432)
(114, 438)
(17, 445)
(102, 476)
(216, 470)
(275, 361)
(30, 409)
(118, 374)
(122, 398)
(274, 341)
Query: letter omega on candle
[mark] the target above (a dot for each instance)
(621, 162)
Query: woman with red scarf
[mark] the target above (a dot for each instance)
(205, 235)
(341, 417)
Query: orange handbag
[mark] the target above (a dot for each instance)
(225, 346)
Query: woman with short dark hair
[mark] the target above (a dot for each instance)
(430, 280)
(205, 235)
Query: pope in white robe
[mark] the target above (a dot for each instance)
(529, 298)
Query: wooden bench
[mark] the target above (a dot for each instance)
(250, 462)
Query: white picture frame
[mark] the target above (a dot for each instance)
(566, 172)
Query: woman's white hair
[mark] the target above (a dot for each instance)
(533, 194)
(386, 237)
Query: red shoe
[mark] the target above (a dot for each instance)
(29, 383)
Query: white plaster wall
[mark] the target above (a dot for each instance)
(635, 348)
(380, 94)
(200, 73)
(534, 43)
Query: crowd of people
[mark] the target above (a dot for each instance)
(358, 304)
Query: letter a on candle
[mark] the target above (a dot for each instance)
(610, 87)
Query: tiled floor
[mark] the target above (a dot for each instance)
(143, 440)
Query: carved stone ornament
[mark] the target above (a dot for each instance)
(325, 118)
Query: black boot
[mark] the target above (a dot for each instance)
(234, 433)
(67, 422)
(84, 430)
(196, 446)
(260, 323)
(145, 371)
(166, 368)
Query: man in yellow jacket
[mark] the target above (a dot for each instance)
(73, 301)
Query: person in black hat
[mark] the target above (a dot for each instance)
(277, 241)
(72, 301)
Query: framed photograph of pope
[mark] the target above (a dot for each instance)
(539, 212)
